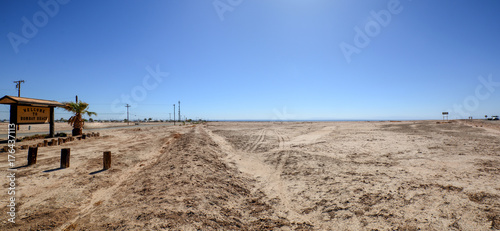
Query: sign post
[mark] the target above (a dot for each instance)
(51, 122)
(445, 115)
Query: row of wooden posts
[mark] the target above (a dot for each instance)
(55, 142)
(65, 157)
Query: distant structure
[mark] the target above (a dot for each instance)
(179, 111)
(128, 120)
(445, 115)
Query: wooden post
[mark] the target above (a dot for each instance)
(59, 141)
(106, 160)
(45, 143)
(65, 157)
(32, 153)
(51, 122)
(13, 117)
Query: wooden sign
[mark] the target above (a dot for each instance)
(32, 115)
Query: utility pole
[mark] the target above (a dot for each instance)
(174, 114)
(180, 111)
(128, 121)
(18, 86)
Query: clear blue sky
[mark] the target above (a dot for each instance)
(256, 59)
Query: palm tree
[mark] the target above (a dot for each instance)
(76, 121)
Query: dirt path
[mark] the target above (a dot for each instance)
(268, 176)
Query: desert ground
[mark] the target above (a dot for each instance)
(27, 130)
(409, 175)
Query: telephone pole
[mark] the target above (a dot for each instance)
(174, 114)
(128, 121)
(18, 86)
(180, 111)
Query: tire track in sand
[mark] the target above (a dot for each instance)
(268, 176)
(283, 141)
(254, 145)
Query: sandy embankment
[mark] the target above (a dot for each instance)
(268, 176)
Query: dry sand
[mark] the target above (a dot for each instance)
(27, 130)
(267, 176)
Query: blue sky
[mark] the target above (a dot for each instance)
(256, 59)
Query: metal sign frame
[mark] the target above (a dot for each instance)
(445, 115)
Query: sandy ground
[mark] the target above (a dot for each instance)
(28, 130)
(266, 176)
(59, 126)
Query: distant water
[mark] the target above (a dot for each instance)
(360, 120)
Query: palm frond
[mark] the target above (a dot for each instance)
(78, 109)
